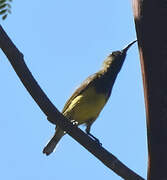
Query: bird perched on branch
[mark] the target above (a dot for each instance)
(86, 103)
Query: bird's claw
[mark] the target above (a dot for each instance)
(95, 139)
(98, 142)
(74, 123)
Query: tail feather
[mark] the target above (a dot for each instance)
(49, 148)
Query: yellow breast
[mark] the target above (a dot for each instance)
(86, 106)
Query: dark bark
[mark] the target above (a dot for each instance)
(151, 27)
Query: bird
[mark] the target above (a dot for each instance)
(86, 103)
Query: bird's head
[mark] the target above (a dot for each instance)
(115, 60)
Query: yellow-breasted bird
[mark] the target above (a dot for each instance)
(86, 103)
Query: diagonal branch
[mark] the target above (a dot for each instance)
(54, 116)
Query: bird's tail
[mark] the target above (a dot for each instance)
(53, 142)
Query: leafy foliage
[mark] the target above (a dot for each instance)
(5, 8)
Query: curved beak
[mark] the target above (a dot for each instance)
(128, 46)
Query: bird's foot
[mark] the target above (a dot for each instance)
(95, 139)
(74, 123)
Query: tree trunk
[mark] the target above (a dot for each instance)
(151, 27)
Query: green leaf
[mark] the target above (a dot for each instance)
(4, 17)
(3, 6)
(9, 6)
(2, 1)
(3, 11)
(9, 11)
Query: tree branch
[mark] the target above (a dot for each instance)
(54, 116)
(150, 19)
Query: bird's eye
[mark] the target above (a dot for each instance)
(116, 53)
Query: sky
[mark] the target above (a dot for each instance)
(63, 42)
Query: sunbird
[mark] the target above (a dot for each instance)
(86, 103)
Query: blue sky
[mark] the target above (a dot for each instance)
(63, 42)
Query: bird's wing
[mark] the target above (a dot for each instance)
(86, 83)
